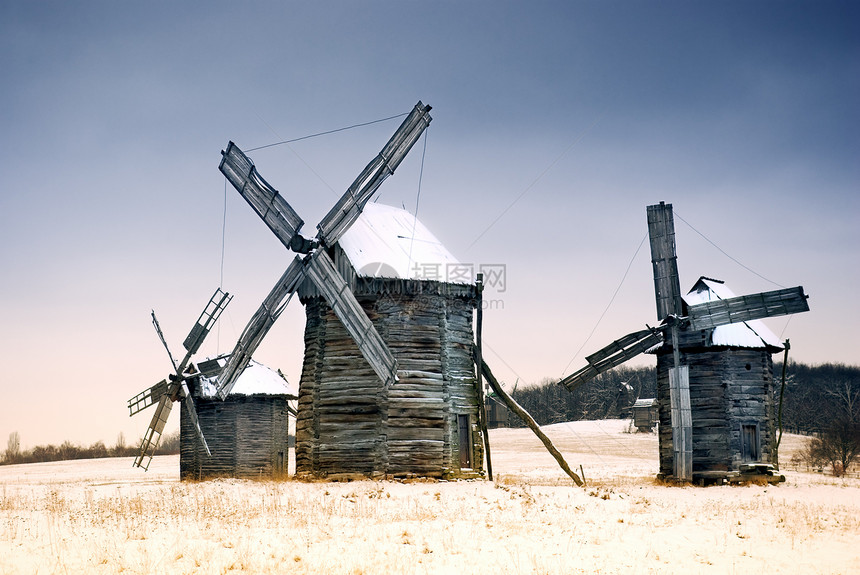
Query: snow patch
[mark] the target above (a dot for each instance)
(389, 242)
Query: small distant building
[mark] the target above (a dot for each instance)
(247, 433)
(498, 415)
(731, 392)
(645, 414)
(421, 301)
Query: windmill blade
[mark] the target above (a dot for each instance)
(260, 325)
(613, 355)
(212, 367)
(163, 342)
(748, 307)
(664, 260)
(207, 319)
(349, 207)
(281, 218)
(322, 272)
(153, 433)
(192, 412)
(146, 398)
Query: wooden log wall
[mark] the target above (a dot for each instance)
(247, 436)
(341, 402)
(459, 369)
(348, 424)
(728, 388)
(751, 401)
(417, 403)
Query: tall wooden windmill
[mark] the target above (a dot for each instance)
(679, 338)
(351, 418)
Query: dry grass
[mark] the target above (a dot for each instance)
(102, 516)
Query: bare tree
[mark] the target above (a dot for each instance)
(119, 449)
(13, 448)
(839, 443)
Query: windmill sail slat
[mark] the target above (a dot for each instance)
(153, 432)
(747, 307)
(618, 345)
(163, 342)
(611, 356)
(207, 319)
(259, 326)
(146, 398)
(349, 207)
(628, 353)
(262, 197)
(192, 412)
(667, 286)
(322, 272)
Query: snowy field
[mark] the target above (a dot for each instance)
(103, 516)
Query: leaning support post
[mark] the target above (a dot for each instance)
(781, 395)
(482, 410)
(528, 419)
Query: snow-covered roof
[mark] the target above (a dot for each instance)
(389, 242)
(256, 379)
(749, 334)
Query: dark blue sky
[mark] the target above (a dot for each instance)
(555, 124)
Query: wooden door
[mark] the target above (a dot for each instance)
(465, 437)
(749, 442)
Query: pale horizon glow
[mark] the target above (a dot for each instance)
(554, 125)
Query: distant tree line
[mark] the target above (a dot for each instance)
(824, 401)
(816, 396)
(608, 396)
(168, 445)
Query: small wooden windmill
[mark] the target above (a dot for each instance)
(248, 433)
(680, 335)
(175, 387)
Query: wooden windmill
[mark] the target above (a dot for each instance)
(351, 419)
(175, 387)
(679, 336)
(248, 432)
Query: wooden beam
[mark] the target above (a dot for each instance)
(482, 412)
(529, 420)
(682, 422)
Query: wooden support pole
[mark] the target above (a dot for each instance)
(482, 410)
(779, 415)
(528, 419)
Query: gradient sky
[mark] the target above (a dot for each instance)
(555, 124)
